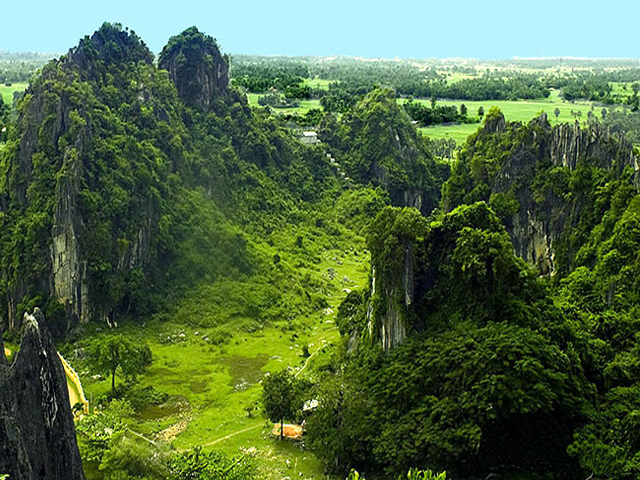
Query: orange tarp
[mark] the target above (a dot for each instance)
(293, 432)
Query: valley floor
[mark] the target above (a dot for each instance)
(214, 389)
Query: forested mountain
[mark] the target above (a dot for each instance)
(119, 177)
(116, 183)
(460, 355)
(497, 333)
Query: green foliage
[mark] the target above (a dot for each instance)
(135, 458)
(412, 474)
(281, 397)
(438, 114)
(112, 353)
(210, 465)
(96, 432)
(495, 358)
(377, 144)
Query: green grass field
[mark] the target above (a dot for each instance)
(7, 92)
(317, 82)
(522, 111)
(212, 386)
(304, 107)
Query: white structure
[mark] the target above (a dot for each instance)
(309, 138)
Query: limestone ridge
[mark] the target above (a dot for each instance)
(37, 434)
(55, 140)
(196, 67)
(396, 257)
(543, 218)
(397, 299)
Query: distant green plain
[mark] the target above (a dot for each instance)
(520, 111)
(7, 92)
(515, 111)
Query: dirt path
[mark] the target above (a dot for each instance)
(322, 344)
(231, 435)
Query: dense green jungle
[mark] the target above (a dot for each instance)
(264, 267)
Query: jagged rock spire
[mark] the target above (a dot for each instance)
(37, 434)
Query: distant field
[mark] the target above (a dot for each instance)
(304, 107)
(317, 83)
(7, 92)
(521, 110)
(621, 90)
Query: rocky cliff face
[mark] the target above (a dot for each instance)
(53, 161)
(37, 434)
(196, 67)
(395, 248)
(534, 171)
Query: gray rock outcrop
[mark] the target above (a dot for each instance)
(37, 434)
(196, 67)
(542, 219)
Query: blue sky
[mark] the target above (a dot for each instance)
(400, 28)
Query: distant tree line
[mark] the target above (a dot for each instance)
(19, 67)
(437, 114)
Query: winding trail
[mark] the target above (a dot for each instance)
(231, 435)
(322, 344)
(238, 432)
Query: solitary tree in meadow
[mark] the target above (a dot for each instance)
(556, 112)
(278, 397)
(481, 111)
(108, 354)
(463, 110)
(603, 112)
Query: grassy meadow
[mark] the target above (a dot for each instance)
(302, 108)
(318, 82)
(212, 374)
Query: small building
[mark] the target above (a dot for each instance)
(309, 138)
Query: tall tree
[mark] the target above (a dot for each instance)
(109, 353)
(279, 397)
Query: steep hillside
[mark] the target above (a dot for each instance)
(457, 358)
(459, 355)
(545, 183)
(119, 179)
(376, 143)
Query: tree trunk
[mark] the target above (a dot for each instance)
(281, 429)
(113, 382)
